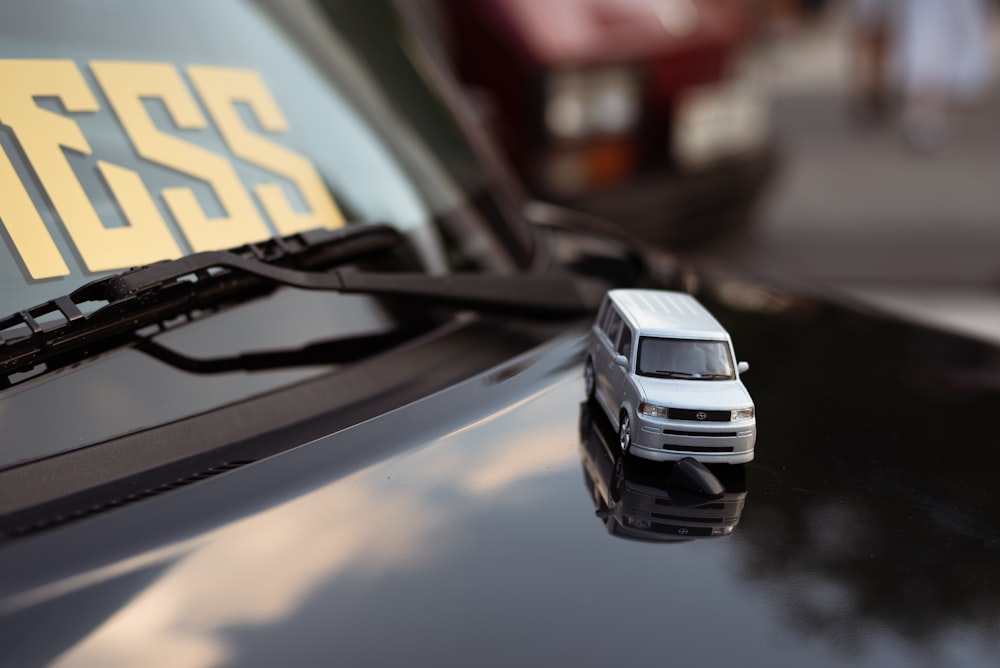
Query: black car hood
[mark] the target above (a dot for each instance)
(476, 527)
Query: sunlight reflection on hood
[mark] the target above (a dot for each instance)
(261, 569)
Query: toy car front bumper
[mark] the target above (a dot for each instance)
(720, 442)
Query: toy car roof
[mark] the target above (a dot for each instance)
(666, 313)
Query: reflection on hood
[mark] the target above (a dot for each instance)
(635, 500)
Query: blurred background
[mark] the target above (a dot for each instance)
(849, 145)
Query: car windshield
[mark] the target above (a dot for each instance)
(133, 132)
(137, 132)
(684, 358)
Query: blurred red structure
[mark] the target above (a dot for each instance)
(638, 110)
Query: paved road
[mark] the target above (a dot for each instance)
(855, 208)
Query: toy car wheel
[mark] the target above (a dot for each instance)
(618, 483)
(625, 433)
(588, 379)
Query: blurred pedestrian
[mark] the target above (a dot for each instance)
(873, 25)
(942, 57)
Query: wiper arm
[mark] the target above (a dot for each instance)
(58, 332)
(526, 294)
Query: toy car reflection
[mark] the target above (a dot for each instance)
(636, 500)
(661, 367)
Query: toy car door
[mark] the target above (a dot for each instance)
(604, 352)
(617, 371)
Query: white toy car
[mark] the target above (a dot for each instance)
(661, 367)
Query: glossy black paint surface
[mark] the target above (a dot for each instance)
(461, 530)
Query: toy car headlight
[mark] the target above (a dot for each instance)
(652, 411)
(635, 522)
(584, 104)
(741, 414)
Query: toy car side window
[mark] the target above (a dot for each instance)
(614, 326)
(602, 312)
(625, 342)
(608, 322)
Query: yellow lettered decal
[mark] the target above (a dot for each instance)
(43, 135)
(221, 87)
(126, 84)
(39, 253)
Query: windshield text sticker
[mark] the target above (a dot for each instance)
(43, 135)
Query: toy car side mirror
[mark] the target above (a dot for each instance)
(743, 367)
(621, 361)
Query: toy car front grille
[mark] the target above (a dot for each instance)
(697, 415)
(704, 449)
(680, 530)
(701, 434)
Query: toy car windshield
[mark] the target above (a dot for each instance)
(684, 358)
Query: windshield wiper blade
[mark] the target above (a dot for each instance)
(666, 373)
(336, 351)
(58, 332)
